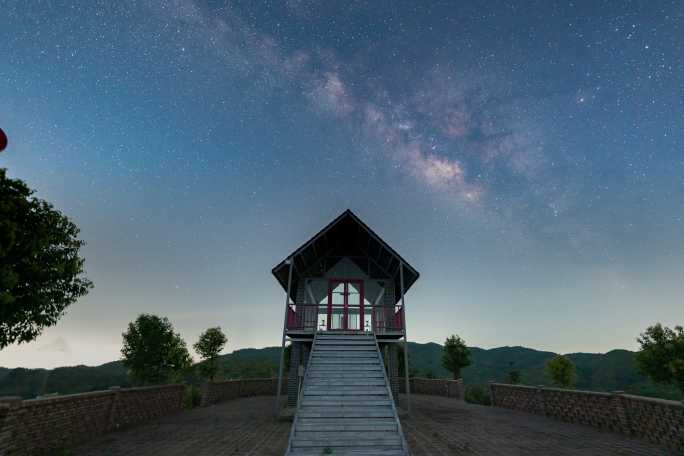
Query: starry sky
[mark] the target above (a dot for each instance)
(526, 157)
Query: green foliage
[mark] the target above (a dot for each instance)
(561, 371)
(662, 354)
(513, 374)
(251, 363)
(610, 371)
(456, 355)
(209, 345)
(29, 383)
(40, 267)
(477, 394)
(413, 372)
(192, 396)
(153, 352)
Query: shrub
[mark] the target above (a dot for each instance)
(192, 397)
(477, 394)
(561, 371)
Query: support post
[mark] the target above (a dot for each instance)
(403, 323)
(282, 345)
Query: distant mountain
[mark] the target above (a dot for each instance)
(610, 371)
(600, 372)
(28, 383)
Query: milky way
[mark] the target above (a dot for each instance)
(526, 157)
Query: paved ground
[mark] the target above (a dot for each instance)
(437, 427)
(239, 427)
(441, 427)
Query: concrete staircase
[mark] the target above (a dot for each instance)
(346, 406)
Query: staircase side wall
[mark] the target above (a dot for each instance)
(293, 381)
(390, 355)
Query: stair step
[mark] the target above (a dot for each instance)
(347, 421)
(344, 390)
(355, 370)
(345, 354)
(352, 441)
(313, 402)
(359, 427)
(344, 413)
(354, 361)
(345, 342)
(365, 374)
(345, 435)
(345, 382)
(378, 451)
(335, 396)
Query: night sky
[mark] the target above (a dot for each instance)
(526, 157)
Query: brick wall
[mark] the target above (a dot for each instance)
(39, 426)
(213, 392)
(437, 387)
(657, 420)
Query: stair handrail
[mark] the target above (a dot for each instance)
(389, 391)
(300, 393)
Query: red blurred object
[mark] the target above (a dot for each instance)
(3, 140)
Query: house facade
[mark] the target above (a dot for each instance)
(344, 280)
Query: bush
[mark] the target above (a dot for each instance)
(477, 394)
(192, 397)
(561, 371)
(662, 355)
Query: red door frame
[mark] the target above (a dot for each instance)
(332, 282)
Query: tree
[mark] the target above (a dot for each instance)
(209, 345)
(153, 352)
(561, 371)
(513, 374)
(455, 356)
(41, 272)
(662, 354)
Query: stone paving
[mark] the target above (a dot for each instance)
(239, 427)
(437, 427)
(440, 427)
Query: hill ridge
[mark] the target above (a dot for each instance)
(612, 370)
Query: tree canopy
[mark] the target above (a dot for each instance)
(561, 371)
(662, 354)
(209, 345)
(41, 272)
(153, 352)
(456, 355)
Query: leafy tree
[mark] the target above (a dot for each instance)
(41, 272)
(455, 356)
(477, 394)
(561, 371)
(209, 345)
(662, 354)
(513, 374)
(412, 371)
(153, 352)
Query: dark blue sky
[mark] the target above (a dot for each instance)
(526, 157)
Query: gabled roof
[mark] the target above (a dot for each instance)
(346, 236)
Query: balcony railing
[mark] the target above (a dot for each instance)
(314, 317)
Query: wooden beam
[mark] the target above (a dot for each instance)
(406, 358)
(282, 345)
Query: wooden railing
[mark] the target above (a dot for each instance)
(313, 317)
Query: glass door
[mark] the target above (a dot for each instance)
(345, 305)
